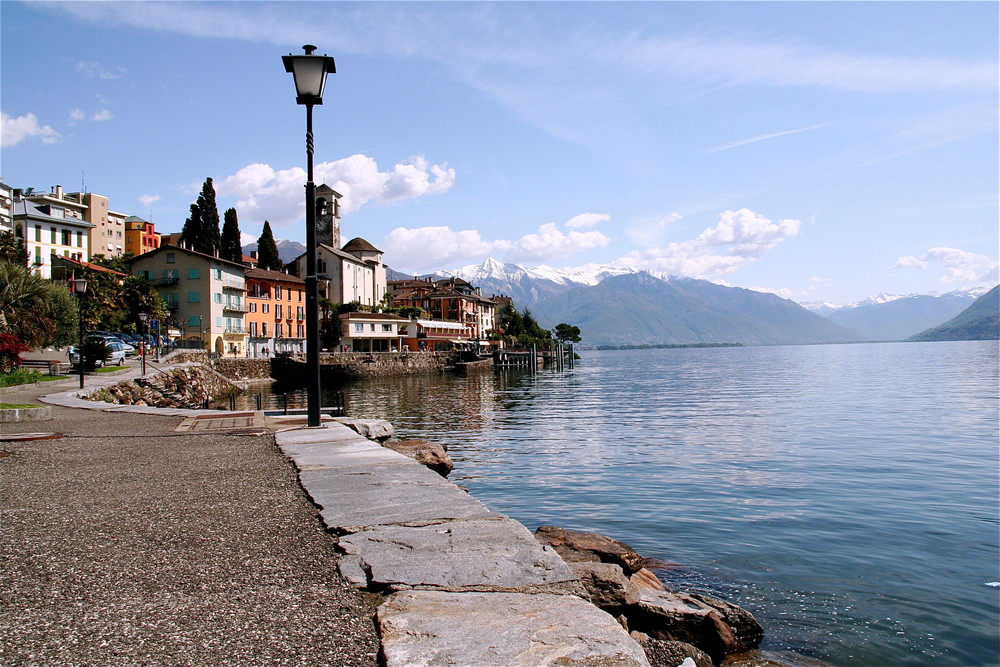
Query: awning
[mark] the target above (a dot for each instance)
(435, 324)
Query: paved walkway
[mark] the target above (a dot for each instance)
(127, 542)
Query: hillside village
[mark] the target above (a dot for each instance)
(237, 308)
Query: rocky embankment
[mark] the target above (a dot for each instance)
(190, 385)
(672, 627)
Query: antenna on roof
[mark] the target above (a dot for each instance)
(83, 182)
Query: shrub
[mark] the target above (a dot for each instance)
(19, 376)
(11, 348)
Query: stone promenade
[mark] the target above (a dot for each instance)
(148, 536)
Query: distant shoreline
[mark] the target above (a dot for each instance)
(664, 346)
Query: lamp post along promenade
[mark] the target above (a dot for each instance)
(310, 73)
(80, 288)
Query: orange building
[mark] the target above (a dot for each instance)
(275, 318)
(140, 236)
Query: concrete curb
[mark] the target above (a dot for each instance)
(10, 415)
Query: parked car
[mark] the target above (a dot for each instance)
(116, 358)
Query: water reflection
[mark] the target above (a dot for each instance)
(844, 493)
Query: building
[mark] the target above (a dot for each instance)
(140, 236)
(50, 230)
(206, 296)
(6, 208)
(371, 332)
(354, 273)
(451, 300)
(275, 318)
(107, 231)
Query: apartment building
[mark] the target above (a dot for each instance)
(107, 231)
(6, 208)
(206, 296)
(451, 300)
(50, 230)
(275, 318)
(140, 236)
(372, 332)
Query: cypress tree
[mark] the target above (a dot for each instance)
(231, 248)
(211, 237)
(191, 232)
(267, 250)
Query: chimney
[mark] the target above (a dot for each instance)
(59, 192)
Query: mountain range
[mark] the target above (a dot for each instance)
(980, 321)
(620, 306)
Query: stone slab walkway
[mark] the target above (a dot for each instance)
(465, 586)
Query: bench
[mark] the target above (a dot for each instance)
(51, 366)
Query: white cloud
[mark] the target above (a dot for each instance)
(276, 195)
(76, 115)
(146, 200)
(102, 114)
(739, 238)
(550, 243)
(764, 137)
(959, 266)
(429, 248)
(15, 130)
(586, 220)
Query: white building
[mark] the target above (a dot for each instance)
(47, 230)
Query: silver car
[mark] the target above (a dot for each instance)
(117, 357)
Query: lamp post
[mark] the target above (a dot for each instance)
(143, 317)
(310, 72)
(80, 288)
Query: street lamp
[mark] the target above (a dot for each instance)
(143, 317)
(310, 73)
(80, 288)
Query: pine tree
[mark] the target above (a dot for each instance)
(231, 248)
(267, 250)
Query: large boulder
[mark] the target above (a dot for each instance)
(577, 546)
(664, 653)
(426, 453)
(748, 631)
(606, 584)
(378, 430)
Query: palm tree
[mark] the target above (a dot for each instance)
(27, 305)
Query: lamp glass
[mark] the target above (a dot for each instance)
(80, 285)
(310, 75)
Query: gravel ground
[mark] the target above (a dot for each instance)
(125, 543)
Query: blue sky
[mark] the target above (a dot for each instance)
(822, 151)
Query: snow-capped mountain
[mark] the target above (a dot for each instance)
(529, 285)
(897, 317)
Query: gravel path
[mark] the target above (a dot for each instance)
(125, 543)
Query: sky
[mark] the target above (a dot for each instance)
(820, 151)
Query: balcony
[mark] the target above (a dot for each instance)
(234, 284)
(235, 307)
(169, 280)
(234, 331)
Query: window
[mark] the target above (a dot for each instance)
(253, 306)
(53, 229)
(194, 274)
(300, 296)
(253, 329)
(38, 256)
(277, 291)
(79, 239)
(194, 321)
(218, 297)
(171, 299)
(372, 327)
(278, 331)
(194, 297)
(359, 327)
(217, 273)
(387, 328)
(218, 322)
(38, 233)
(263, 329)
(171, 258)
(277, 311)
(302, 331)
(265, 308)
(300, 313)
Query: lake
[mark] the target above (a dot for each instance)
(847, 495)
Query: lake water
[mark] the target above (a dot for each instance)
(848, 495)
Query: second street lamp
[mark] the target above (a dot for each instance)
(310, 73)
(80, 288)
